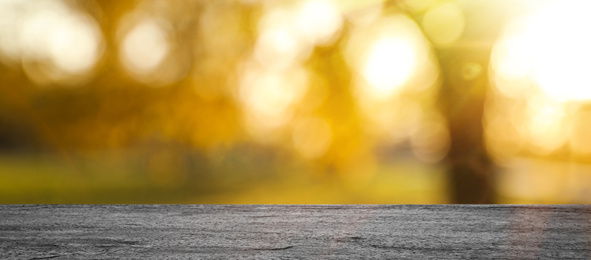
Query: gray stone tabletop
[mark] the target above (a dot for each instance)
(294, 231)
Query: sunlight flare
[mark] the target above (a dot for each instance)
(550, 48)
(389, 65)
(145, 46)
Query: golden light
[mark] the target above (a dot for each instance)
(311, 137)
(397, 119)
(53, 41)
(444, 24)
(537, 125)
(579, 136)
(287, 35)
(501, 123)
(549, 48)
(540, 68)
(390, 63)
(387, 55)
(418, 5)
(145, 46)
(545, 126)
(278, 45)
(430, 142)
(74, 46)
(273, 80)
(10, 49)
(269, 96)
(394, 72)
(563, 69)
(357, 13)
(279, 48)
(512, 61)
(227, 26)
(318, 21)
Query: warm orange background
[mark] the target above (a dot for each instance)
(312, 101)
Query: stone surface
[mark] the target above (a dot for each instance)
(293, 231)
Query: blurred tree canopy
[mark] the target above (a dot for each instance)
(344, 90)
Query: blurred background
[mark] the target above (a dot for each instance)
(304, 101)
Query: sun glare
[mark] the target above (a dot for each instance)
(550, 48)
(287, 35)
(387, 55)
(540, 66)
(319, 21)
(273, 79)
(145, 46)
(394, 71)
(390, 63)
(74, 46)
(64, 41)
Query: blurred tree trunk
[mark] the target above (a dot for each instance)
(464, 73)
(465, 81)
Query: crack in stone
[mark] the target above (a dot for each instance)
(45, 257)
(274, 249)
